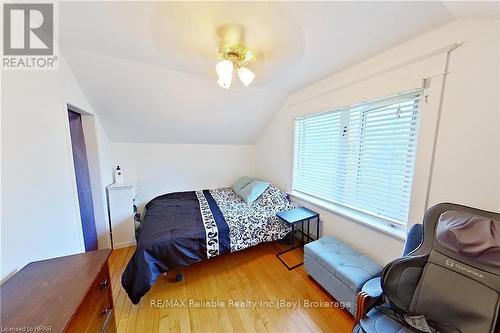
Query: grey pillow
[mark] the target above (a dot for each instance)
(241, 183)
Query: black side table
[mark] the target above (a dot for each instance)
(294, 217)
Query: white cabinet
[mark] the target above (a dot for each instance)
(121, 199)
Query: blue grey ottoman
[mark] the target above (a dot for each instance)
(339, 269)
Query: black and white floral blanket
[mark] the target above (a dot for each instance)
(251, 224)
(182, 228)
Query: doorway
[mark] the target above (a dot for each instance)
(82, 181)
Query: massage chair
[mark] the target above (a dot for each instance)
(449, 283)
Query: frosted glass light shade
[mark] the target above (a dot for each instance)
(225, 81)
(224, 68)
(246, 76)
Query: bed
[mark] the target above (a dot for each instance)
(183, 228)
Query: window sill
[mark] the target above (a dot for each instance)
(353, 215)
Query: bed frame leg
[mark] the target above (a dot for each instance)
(179, 277)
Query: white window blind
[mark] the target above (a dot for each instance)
(361, 156)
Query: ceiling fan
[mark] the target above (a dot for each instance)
(235, 57)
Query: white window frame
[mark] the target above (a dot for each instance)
(370, 220)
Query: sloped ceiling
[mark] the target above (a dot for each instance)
(147, 68)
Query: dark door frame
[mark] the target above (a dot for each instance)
(83, 182)
(89, 123)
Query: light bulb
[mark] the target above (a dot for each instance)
(248, 55)
(246, 76)
(224, 68)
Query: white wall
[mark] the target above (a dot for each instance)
(467, 153)
(39, 217)
(164, 168)
(467, 157)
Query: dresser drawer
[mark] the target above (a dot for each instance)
(103, 317)
(96, 308)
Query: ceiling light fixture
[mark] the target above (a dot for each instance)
(235, 57)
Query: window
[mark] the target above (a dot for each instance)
(360, 157)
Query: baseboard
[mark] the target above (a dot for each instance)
(122, 245)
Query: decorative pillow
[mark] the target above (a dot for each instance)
(241, 183)
(253, 191)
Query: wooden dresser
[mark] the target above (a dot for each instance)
(66, 294)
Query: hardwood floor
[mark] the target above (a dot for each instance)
(254, 274)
